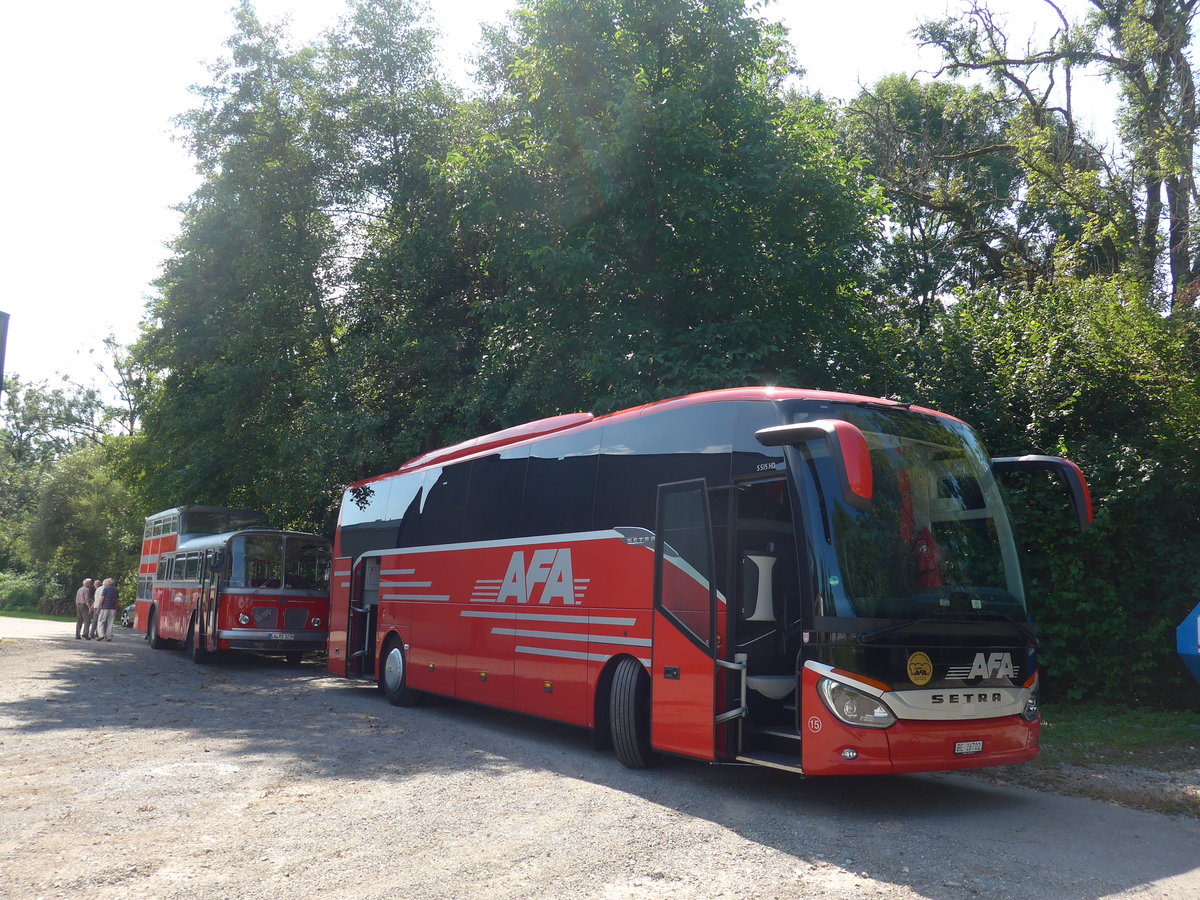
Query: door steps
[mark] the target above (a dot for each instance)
(782, 761)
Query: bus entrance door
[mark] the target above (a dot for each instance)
(360, 624)
(684, 667)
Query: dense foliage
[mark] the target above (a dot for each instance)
(638, 200)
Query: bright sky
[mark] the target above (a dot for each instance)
(91, 171)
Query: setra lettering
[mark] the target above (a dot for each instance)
(968, 697)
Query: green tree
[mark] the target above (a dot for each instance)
(940, 152)
(1144, 46)
(87, 522)
(658, 218)
(243, 319)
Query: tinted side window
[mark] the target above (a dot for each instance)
(494, 498)
(373, 515)
(443, 502)
(660, 448)
(560, 484)
(750, 458)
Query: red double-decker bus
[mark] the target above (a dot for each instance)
(244, 587)
(816, 582)
(164, 530)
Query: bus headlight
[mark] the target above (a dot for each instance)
(853, 706)
(1031, 711)
(243, 619)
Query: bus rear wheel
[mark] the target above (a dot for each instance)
(393, 677)
(156, 642)
(629, 714)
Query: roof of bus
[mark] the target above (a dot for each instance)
(558, 424)
(179, 510)
(204, 541)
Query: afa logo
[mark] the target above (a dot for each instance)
(547, 578)
(995, 665)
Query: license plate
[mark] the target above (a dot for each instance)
(277, 636)
(964, 748)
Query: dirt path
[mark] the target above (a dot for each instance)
(134, 773)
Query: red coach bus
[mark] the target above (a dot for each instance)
(816, 582)
(252, 589)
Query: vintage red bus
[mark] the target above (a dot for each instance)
(254, 588)
(164, 530)
(817, 582)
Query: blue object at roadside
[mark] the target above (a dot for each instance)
(1188, 637)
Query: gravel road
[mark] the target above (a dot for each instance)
(134, 773)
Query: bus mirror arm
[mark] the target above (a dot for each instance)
(1066, 471)
(847, 448)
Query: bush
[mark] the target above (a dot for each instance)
(29, 592)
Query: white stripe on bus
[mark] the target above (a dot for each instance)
(573, 654)
(566, 636)
(547, 617)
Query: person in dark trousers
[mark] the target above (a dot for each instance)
(108, 610)
(83, 610)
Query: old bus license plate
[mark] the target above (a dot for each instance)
(963, 748)
(279, 636)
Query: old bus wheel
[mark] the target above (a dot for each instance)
(156, 642)
(194, 645)
(393, 677)
(629, 712)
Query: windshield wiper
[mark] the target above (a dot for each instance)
(871, 636)
(1024, 628)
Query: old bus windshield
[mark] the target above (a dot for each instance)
(935, 539)
(274, 560)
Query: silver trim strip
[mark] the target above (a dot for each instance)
(262, 634)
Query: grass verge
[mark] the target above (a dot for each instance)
(1147, 759)
(22, 614)
(1092, 734)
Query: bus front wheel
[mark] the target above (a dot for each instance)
(156, 642)
(629, 714)
(393, 677)
(194, 645)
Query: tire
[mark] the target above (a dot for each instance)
(629, 713)
(156, 642)
(194, 647)
(393, 677)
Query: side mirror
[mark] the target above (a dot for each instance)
(1067, 472)
(847, 447)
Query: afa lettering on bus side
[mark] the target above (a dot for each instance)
(549, 568)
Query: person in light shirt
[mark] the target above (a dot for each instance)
(83, 611)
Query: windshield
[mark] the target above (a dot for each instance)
(275, 560)
(935, 539)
